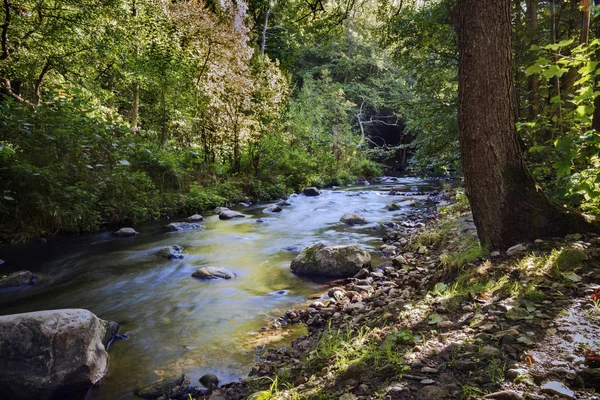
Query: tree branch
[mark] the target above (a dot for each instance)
(8, 90)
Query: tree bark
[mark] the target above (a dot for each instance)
(507, 206)
(532, 82)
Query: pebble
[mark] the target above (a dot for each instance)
(489, 351)
(505, 395)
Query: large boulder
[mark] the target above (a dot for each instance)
(55, 354)
(213, 273)
(20, 278)
(351, 218)
(332, 261)
(195, 218)
(125, 232)
(180, 226)
(230, 214)
(312, 191)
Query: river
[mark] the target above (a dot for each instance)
(176, 323)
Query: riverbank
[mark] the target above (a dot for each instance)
(442, 319)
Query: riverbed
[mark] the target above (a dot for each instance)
(178, 324)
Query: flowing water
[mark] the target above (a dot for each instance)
(176, 323)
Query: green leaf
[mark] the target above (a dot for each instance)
(555, 70)
(440, 287)
(9, 198)
(435, 318)
(534, 69)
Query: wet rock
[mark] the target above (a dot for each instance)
(125, 232)
(273, 208)
(219, 210)
(392, 207)
(159, 388)
(213, 273)
(284, 203)
(20, 278)
(209, 381)
(505, 395)
(55, 354)
(180, 226)
(171, 252)
(195, 218)
(312, 191)
(351, 218)
(389, 250)
(332, 261)
(557, 388)
(230, 214)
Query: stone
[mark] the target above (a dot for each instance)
(180, 226)
(20, 278)
(591, 377)
(219, 210)
(347, 396)
(332, 261)
(392, 207)
(159, 388)
(465, 365)
(213, 273)
(505, 395)
(125, 232)
(351, 218)
(423, 250)
(209, 381)
(518, 313)
(445, 324)
(171, 252)
(312, 191)
(389, 250)
(195, 218)
(557, 388)
(274, 208)
(489, 352)
(54, 354)
(432, 392)
(230, 214)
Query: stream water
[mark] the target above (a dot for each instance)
(176, 323)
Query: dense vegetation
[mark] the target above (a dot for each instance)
(116, 111)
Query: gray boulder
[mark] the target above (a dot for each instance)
(351, 218)
(195, 218)
(171, 252)
(125, 232)
(213, 273)
(332, 261)
(312, 191)
(273, 208)
(181, 226)
(160, 388)
(55, 354)
(219, 210)
(230, 214)
(20, 278)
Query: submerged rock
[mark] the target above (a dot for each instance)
(181, 226)
(230, 214)
(20, 278)
(55, 354)
(159, 388)
(171, 252)
(213, 273)
(312, 191)
(125, 232)
(195, 218)
(351, 218)
(333, 261)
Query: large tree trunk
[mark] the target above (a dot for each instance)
(507, 207)
(532, 83)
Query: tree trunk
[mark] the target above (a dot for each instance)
(596, 117)
(507, 207)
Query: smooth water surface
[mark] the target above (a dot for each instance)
(176, 323)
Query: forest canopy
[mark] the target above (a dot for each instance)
(118, 111)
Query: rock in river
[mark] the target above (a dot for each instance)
(229, 214)
(159, 388)
(273, 208)
(209, 381)
(213, 273)
(20, 278)
(171, 252)
(333, 261)
(181, 226)
(55, 354)
(351, 218)
(312, 191)
(195, 218)
(125, 232)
